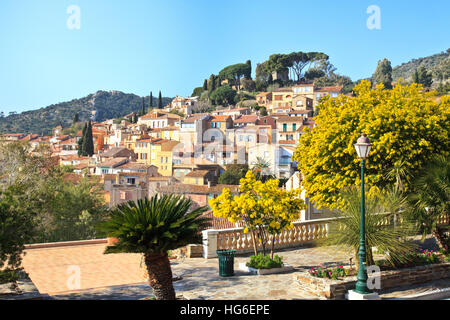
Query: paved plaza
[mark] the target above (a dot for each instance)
(113, 275)
(122, 276)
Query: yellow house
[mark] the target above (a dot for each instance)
(157, 152)
(161, 156)
(170, 133)
(282, 98)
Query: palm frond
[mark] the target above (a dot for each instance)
(153, 225)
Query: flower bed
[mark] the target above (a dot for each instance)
(330, 273)
(263, 264)
(336, 289)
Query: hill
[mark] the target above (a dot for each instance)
(436, 63)
(100, 106)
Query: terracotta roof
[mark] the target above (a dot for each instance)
(329, 89)
(114, 162)
(305, 85)
(197, 173)
(109, 176)
(287, 142)
(181, 188)
(246, 119)
(283, 90)
(81, 166)
(262, 94)
(219, 223)
(112, 152)
(72, 177)
(139, 174)
(220, 118)
(134, 165)
(290, 119)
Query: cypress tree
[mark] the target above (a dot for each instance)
(205, 85)
(76, 118)
(81, 141)
(143, 106)
(383, 74)
(150, 104)
(89, 141)
(160, 100)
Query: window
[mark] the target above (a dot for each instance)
(131, 181)
(294, 127)
(241, 138)
(167, 159)
(162, 159)
(284, 127)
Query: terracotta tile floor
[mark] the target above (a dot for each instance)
(49, 268)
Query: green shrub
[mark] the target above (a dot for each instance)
(261, 261)
(9, 275)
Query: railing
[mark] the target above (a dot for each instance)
(444, 219)
(235, 238)
(302, 232)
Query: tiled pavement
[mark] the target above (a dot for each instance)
(48, 268)
(121, 277)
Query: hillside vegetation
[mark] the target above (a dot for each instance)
(100, 106)
(437, 64)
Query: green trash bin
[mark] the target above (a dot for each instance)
(226, 262)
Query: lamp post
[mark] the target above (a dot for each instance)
(362, 147)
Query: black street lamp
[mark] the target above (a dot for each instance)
(362, 147)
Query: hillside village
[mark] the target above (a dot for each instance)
(164, 152)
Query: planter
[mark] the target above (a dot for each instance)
(260, 272)
(336, 289)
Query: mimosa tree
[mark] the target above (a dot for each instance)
(406, 126)
(265, 209)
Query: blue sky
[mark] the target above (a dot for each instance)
(138, 46)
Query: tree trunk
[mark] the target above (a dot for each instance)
(255, 248)
(369, 257)
(272, 248)
(439, 236)
(160, 275)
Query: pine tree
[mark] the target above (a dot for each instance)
(383, 74)
(249, 75)
(160, 100)
(423, 77)
(81, 141)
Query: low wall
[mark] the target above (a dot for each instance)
(336, 289)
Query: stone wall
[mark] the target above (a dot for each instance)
(189, 251)
(336, 289)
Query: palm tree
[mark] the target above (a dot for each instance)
(431, 198)
(261, 169)
(400, 174)
(345, 231)
(153, 227)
